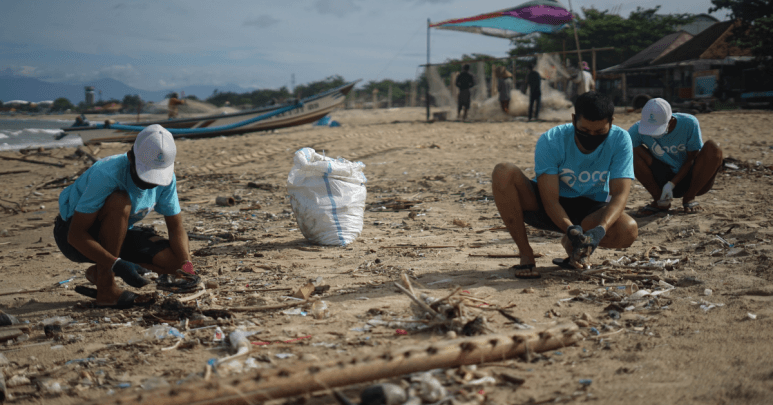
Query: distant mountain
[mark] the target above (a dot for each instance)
(13, 87)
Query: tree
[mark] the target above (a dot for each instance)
(601, 29)
(62, 104)
(131, 101)
(756, 26)
(192, 97)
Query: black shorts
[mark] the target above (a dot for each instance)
(141, 245)
(576, 208)
(464, 98)
(662, 174)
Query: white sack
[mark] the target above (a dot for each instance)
(327, 196)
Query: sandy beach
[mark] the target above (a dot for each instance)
(429, 215)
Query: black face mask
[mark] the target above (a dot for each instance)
(588, 141)
(142, 185)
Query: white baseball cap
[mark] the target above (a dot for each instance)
(655, 117)
(154, 153)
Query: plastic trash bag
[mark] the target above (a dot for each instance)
(328, 197)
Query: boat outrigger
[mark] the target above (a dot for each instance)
(303, 111)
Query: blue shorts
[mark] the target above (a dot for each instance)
(576, 208)
(140, 245)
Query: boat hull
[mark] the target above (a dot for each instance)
(313, 109)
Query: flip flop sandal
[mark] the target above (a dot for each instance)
(690, 205)
(185, 284)
(530, 267)
(126, 300)
(654, 210)
(564, 264)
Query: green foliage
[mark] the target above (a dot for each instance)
(131, 101)
(319, 86)
(256, 98)
(399, 90)
(263, 97)
(61, 104)
(601, 29)
(756, 29)
(192, 97)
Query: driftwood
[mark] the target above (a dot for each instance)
(23, 291)
(39, 162)
(501, 256)
(268, 307)
(302, 379)
(14, 172)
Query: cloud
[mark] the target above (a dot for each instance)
(261, 21)
(338, 8)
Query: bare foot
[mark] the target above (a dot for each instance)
(91, 274)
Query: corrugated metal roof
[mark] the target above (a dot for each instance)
(694, 48)
(661, 47)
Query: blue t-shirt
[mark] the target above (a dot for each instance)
(88, 194)
(672, 148)
(582, 175)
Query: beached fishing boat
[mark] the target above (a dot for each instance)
(307, 110)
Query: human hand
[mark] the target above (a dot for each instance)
(130, 273)
(667, 195)
(594, 236)
(575, 236)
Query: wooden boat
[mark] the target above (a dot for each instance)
(305, 111)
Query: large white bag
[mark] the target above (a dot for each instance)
(328, 197)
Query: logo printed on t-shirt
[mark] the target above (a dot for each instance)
(673, 149)
(570, 178)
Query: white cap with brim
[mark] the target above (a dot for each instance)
(154, 153)
(655, 117)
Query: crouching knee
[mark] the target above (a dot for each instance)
(629, 231)
(504, 174)
(711, 148)
(118, 203)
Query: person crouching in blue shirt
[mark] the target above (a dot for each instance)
(97, 214)
(583, 172)
(670, 158)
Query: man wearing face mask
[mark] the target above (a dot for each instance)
(670, 158)
(583, 176)
(98, 211)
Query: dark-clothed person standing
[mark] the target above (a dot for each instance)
(464, 82)
(535, 92)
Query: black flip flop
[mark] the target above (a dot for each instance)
(126, 300)
(564, 264)
(531, 267)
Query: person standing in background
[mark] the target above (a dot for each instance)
(504, 86)
(464, 82)
(174, 101)
(584, 80)
(534, 81)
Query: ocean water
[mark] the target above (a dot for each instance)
(23, 134)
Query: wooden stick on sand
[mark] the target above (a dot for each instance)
(264, 385)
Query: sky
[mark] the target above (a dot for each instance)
(255, 44)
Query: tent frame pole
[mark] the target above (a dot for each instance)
(576, 38)
(426, 70)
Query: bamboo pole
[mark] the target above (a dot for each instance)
(576, 38)
(286, 382)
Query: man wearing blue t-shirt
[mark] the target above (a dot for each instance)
(583, 176)
(98, 211)
(670, 158)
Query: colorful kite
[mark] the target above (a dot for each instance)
(533, 16)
